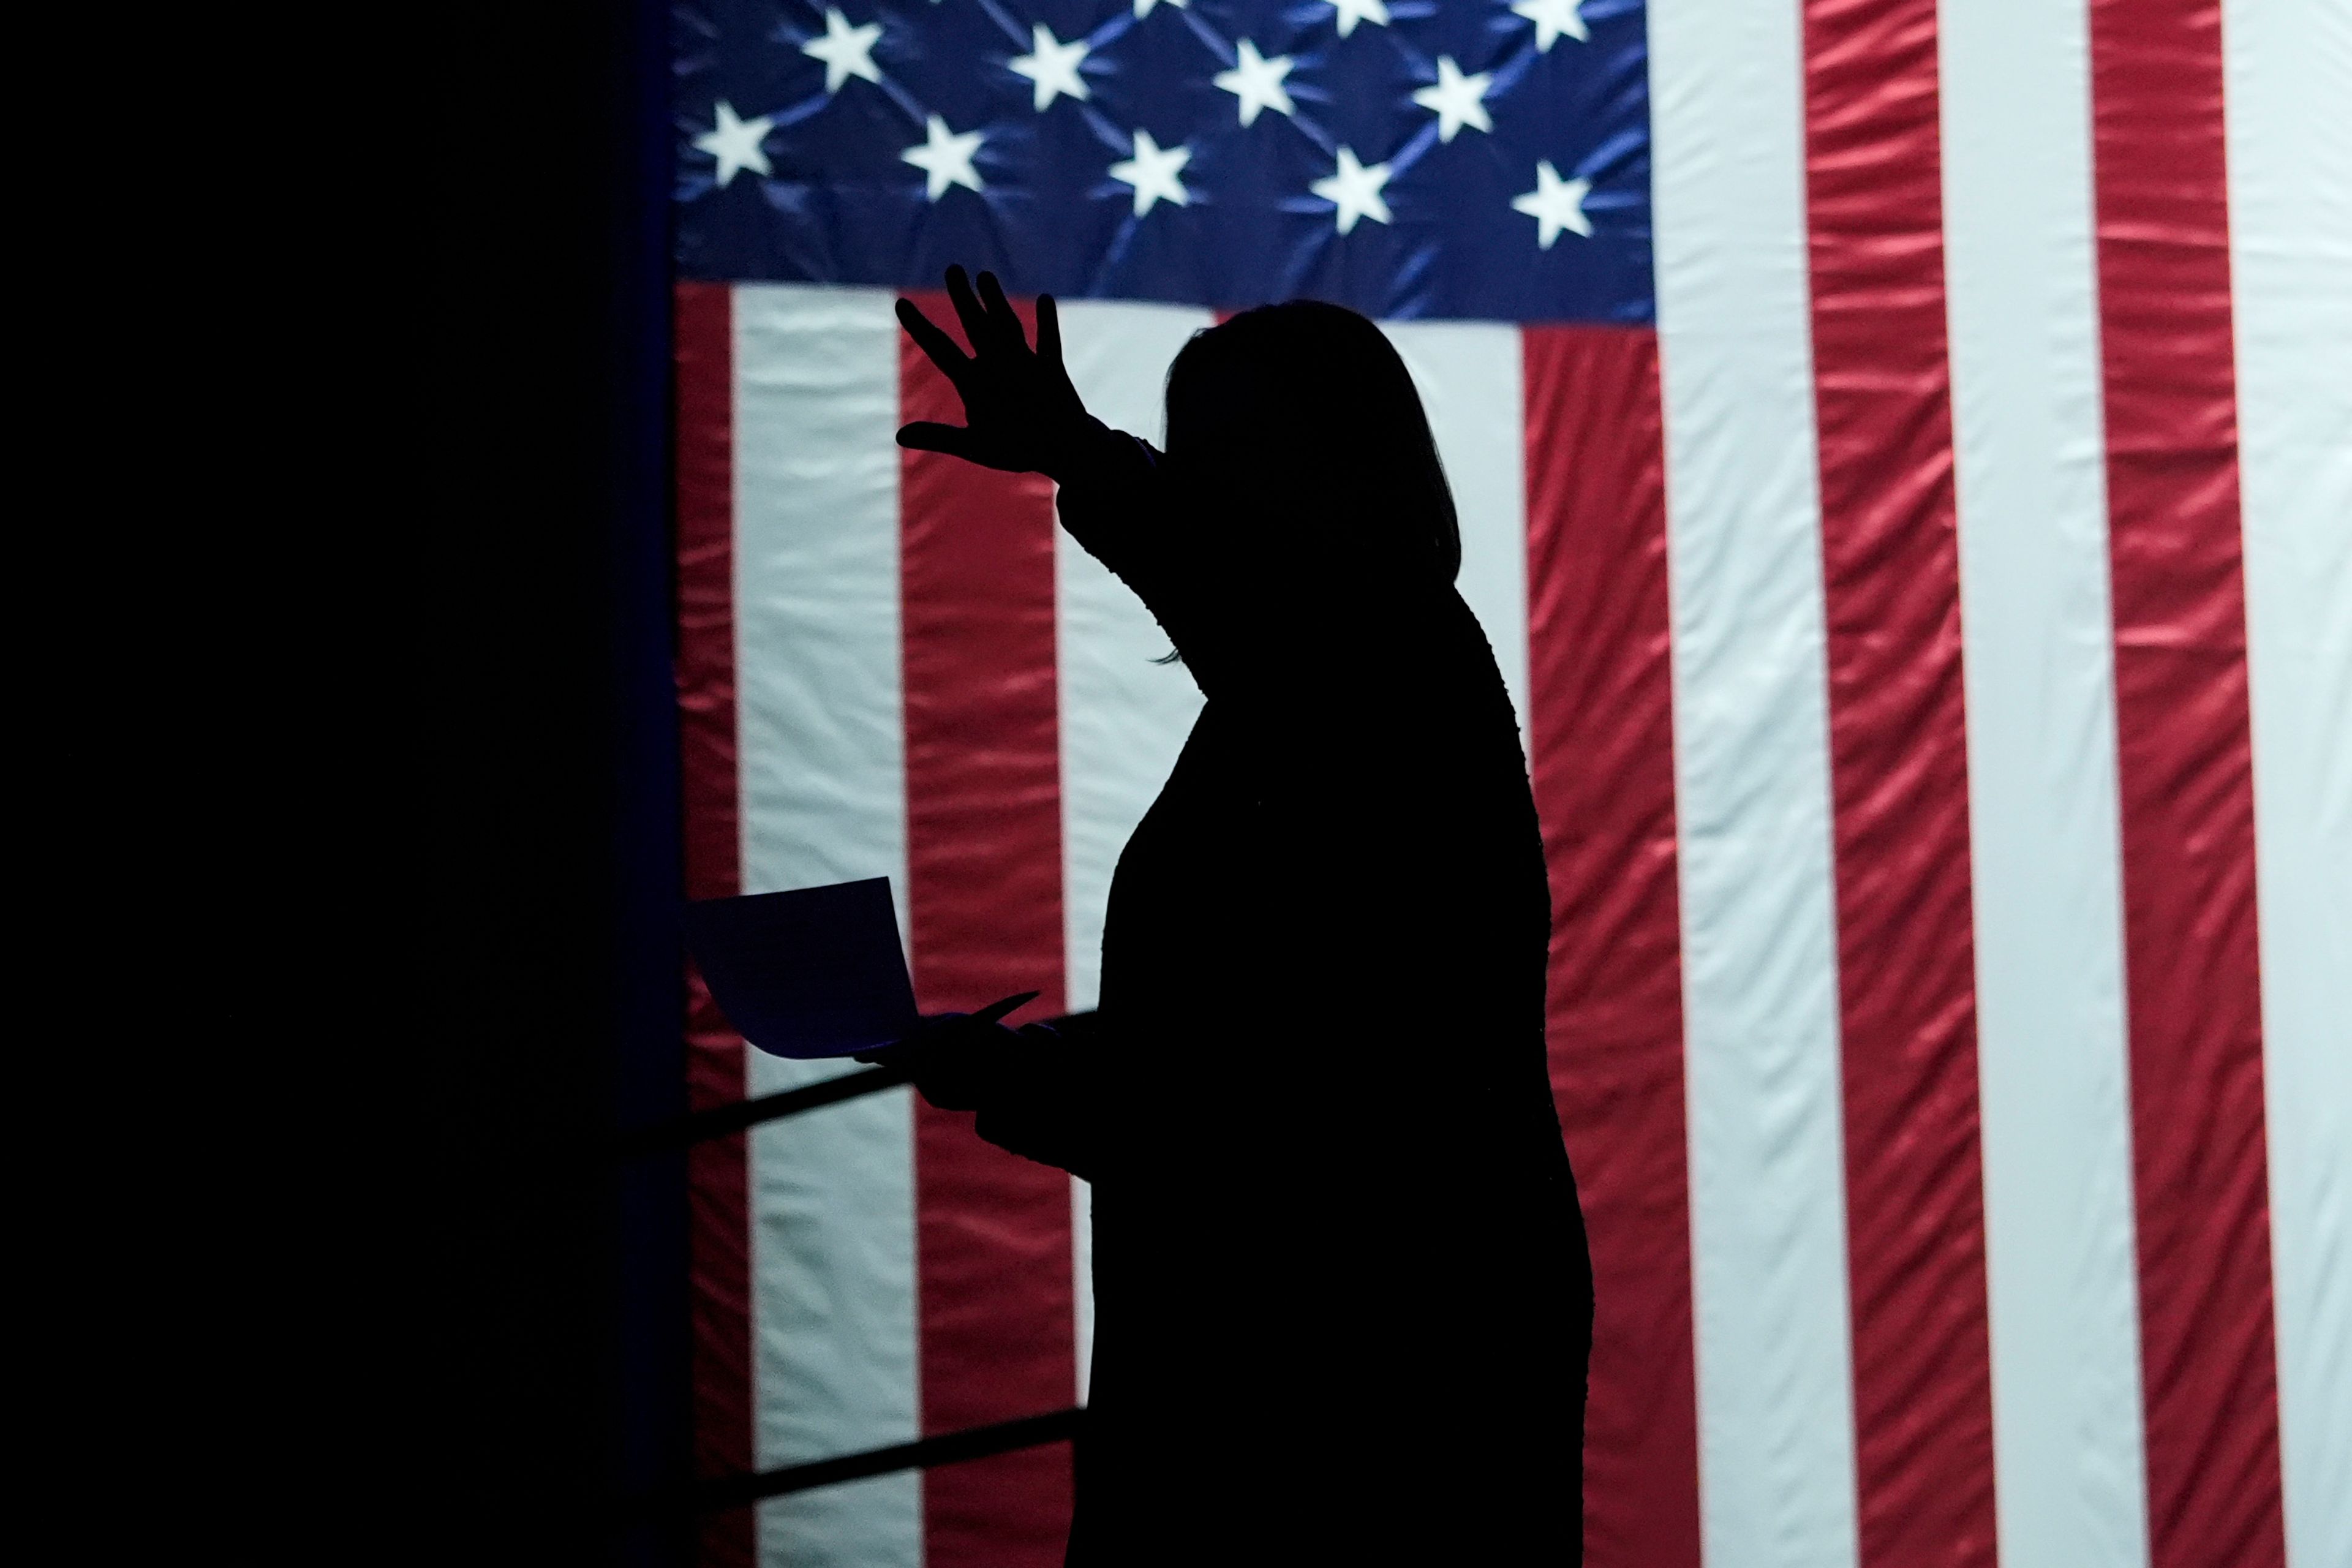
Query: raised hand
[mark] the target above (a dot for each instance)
(1020, 412)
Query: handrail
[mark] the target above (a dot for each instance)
(949, 1448)
(700, 1126)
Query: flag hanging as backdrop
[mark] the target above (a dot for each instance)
(1904, 462)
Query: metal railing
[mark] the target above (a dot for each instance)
(949, 1448)
(701, 1126)
(714, 1496)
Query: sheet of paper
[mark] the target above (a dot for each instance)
(816, 971)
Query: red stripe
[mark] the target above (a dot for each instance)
(2185, 777)
(984, 872)
(717, 1181)
(1915, 1193)
(1601, 728)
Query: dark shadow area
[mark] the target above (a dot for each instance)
(552, 1330)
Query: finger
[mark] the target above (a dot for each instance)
(954, 440)
(934, 341)
(968, 309)
(1049, 331)
(1003, 320)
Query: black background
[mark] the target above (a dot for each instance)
(551, 1007)
(344, 855)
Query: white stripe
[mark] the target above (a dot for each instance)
(2288, 81)
(822, 763)
(1123, 717)
(2061, 1260)
(1759, 959)
(1469, 375)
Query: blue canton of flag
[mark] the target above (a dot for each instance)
(1473, 161)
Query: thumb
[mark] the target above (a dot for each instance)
(924, 436)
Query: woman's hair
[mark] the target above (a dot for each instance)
(1301, 419)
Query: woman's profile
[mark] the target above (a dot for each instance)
(1343, 1303)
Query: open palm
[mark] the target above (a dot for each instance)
(1020, 412)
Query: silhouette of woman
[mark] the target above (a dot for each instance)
(1343, 1303)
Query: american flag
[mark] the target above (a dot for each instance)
(1905, 461)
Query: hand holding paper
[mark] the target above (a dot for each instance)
(955, 1057)
(817, 971)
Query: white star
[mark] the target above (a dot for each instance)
(1555, 204)
(1143, 7)
(736, 142)
(1053, 68)
(1355, 190)
(847, 51)
(1351, 12)
(1552, 17)
(1153, 172)
(945, 159)
(1256, 81)
(1456, 97)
